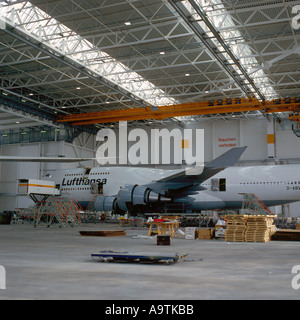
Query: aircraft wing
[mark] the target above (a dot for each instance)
(191, 178)
(42, 159)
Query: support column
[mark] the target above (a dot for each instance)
(271, 141)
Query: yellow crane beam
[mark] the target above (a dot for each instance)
(186, 109)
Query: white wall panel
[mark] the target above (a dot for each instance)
(254, 136)
(287, 144)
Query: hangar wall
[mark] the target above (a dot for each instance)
(10, 172)
(219, 136)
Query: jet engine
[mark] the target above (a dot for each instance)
(105, 203)
(127, 198)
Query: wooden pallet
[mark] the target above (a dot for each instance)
(235, 230)
(254, 228)
(103, 233)
(257, 236)
(286, 235)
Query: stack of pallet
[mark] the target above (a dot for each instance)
(236, 226)
(249, 228)
(259, 228)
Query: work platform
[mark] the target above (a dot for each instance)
(139, 257)
(34, 188)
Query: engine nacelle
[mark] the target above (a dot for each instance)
(128, 197)
(105, 203)
(124, 197)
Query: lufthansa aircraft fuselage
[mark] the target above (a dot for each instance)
(273, 184)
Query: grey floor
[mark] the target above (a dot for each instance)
(53, 263)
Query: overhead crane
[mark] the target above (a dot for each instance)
(291, 105)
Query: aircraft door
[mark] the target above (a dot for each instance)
(214, 184)
(222, 184)
(218, 184)
(97, 188)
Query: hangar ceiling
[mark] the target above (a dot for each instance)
(68, 57)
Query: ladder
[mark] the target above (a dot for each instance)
(253, 204)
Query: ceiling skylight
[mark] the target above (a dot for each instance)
(48, 30)
(223, 22)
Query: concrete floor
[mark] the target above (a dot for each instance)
(53, 263)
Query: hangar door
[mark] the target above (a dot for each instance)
(218, 184)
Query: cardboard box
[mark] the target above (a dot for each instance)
(190, 233)
(204, 234)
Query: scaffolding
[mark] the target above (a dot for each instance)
(253, 205)
(62, 211)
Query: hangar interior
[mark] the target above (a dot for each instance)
(229, 67)
(70, 70)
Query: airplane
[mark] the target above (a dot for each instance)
(220, 184)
